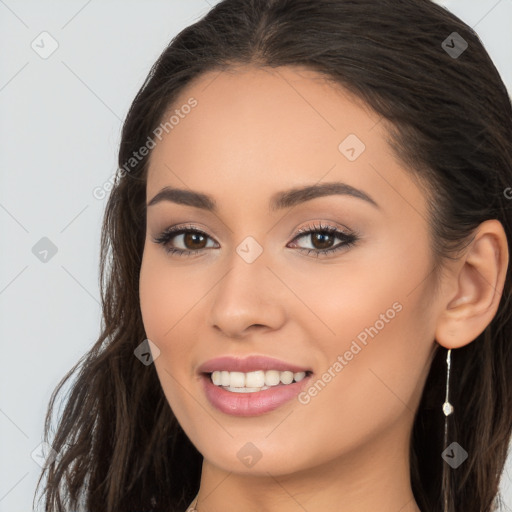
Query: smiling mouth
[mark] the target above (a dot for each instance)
(252, 382)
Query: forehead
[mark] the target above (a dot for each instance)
(265, 112)
(256, 130)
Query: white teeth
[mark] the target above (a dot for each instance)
(272, 378)
(255, 379)
(245, 390)
(258, 380)
(225, 378)
(298, 376)
(286, 377)
(237, 379)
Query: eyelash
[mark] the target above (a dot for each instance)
(348, 239)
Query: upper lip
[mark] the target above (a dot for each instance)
(248, 364)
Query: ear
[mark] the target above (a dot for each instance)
(476, 287)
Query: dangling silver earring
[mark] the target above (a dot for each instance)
(447, 410)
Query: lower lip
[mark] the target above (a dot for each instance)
(251, 404)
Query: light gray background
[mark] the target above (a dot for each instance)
(60, 121)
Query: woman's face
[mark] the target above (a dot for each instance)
(359, 318)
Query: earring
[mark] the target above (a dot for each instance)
(447, 410)
(447, 406)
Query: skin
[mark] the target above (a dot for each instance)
(254, 132)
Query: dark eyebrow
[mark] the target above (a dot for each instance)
(279, 201)
(186, 197)
(294, 196)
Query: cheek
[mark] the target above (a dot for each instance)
(380, 385)
(165, 299)
(166, 296)
(349, 296)
(164, 304)
(384, 335)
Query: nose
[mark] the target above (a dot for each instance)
(247, 298)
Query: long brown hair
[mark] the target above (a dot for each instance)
(119, 445)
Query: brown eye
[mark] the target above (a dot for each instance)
(193, 240)
(322, 240)
(183, 241)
